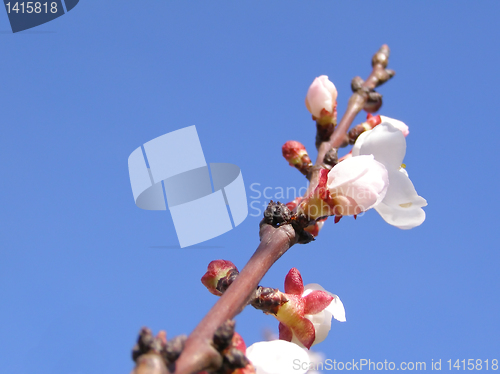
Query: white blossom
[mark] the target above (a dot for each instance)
(322, 321)
(401, 206)
(278, 357)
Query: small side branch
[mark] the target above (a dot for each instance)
(198, 354)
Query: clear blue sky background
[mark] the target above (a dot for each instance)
(82, 268)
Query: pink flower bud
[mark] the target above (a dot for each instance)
(294, 153)
(216, 270)
(321, 98)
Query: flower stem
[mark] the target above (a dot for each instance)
(198, 353)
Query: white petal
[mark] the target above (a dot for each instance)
(401, 192)
(348, 171)
(278, 357)
(308, 288)
(322, 322)
(356, 148)
(402, 207)
(385, 142)
(360, 178)
(336, 308)
(403, 218)
(401, 126)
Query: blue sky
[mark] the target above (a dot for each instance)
(83, 268)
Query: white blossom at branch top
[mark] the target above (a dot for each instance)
(322, 321)
(322, 95)
(401, 206)
(397, 124)
(278, 357)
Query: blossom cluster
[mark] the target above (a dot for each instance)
(372, 176)
(305, 314)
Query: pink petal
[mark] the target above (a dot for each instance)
(285, 332)
(304, 332)
(316, 301)
(293, 282)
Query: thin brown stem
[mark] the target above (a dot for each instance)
(198, 354)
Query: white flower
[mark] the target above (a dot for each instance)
(401, 206)
(322, 321)
(278, 357)
(357, 184)
(306, 318)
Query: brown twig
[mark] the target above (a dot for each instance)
(198, 354)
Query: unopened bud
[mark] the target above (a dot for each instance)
(217, 270)
(321, 100)
(296, 155)
(293, 152)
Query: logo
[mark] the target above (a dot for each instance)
(27, 14)
(173, 166)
